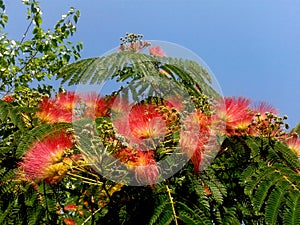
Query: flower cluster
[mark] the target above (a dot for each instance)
(133, 42)
(145, 127)
(244, 118)
(146, 131)
(69, 106)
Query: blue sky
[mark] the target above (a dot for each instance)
(252, 46)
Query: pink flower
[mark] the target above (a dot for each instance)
(8, 98)
(66, 100)
(174, 103)
(96, 106)
(294, 144)
(147, 174)
(142, 122)
(236, 114)
(195, 136)
(264, 107)
(69, 221)
(119, 106)
(145, 122)
(263, 120)
(59, 109)
(45, 158)
(142, 163)
(71, 207)
(156, 51)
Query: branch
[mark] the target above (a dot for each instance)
(172, 204)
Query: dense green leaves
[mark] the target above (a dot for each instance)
(128, 65)
(39, 55)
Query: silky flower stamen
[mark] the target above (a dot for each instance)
(45, 158)
(58, 109)
(236, 114)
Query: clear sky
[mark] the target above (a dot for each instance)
(252, 46)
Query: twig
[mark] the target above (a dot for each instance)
(87, 219)
(26, 31)
(172, 204)
(85, 179)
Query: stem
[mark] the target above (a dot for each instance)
(106, 191)
(82, 169)
(26, 31)
(172, 204)
(85, 179)
(87, 219)
(46, 202)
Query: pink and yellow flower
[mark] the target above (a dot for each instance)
(195, 136)
(142, 163)
(294, 144)
(263, 120)
(145, 122)
(96, 106)
(142, 122)
(66, 100)
(236, 114)
(59, 109)
(45, 159)
(156, 51)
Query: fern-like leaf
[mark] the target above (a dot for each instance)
(287, 155)
(166, 218)
(128, 65)
(269, 189)
(159, 210)
(292, 211)
(274, 202)
(217, 189)
(12, 114)
(38, 133)
(192, 215)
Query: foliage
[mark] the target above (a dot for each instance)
(236, 174)
(39, 54)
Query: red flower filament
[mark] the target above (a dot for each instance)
(45, 159)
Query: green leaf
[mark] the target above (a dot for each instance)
(274, 202)
(37, 133)
(159, 210)
(292, 210)
(285, 153)
(11, 113)
(38, 20)
(296, 129)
